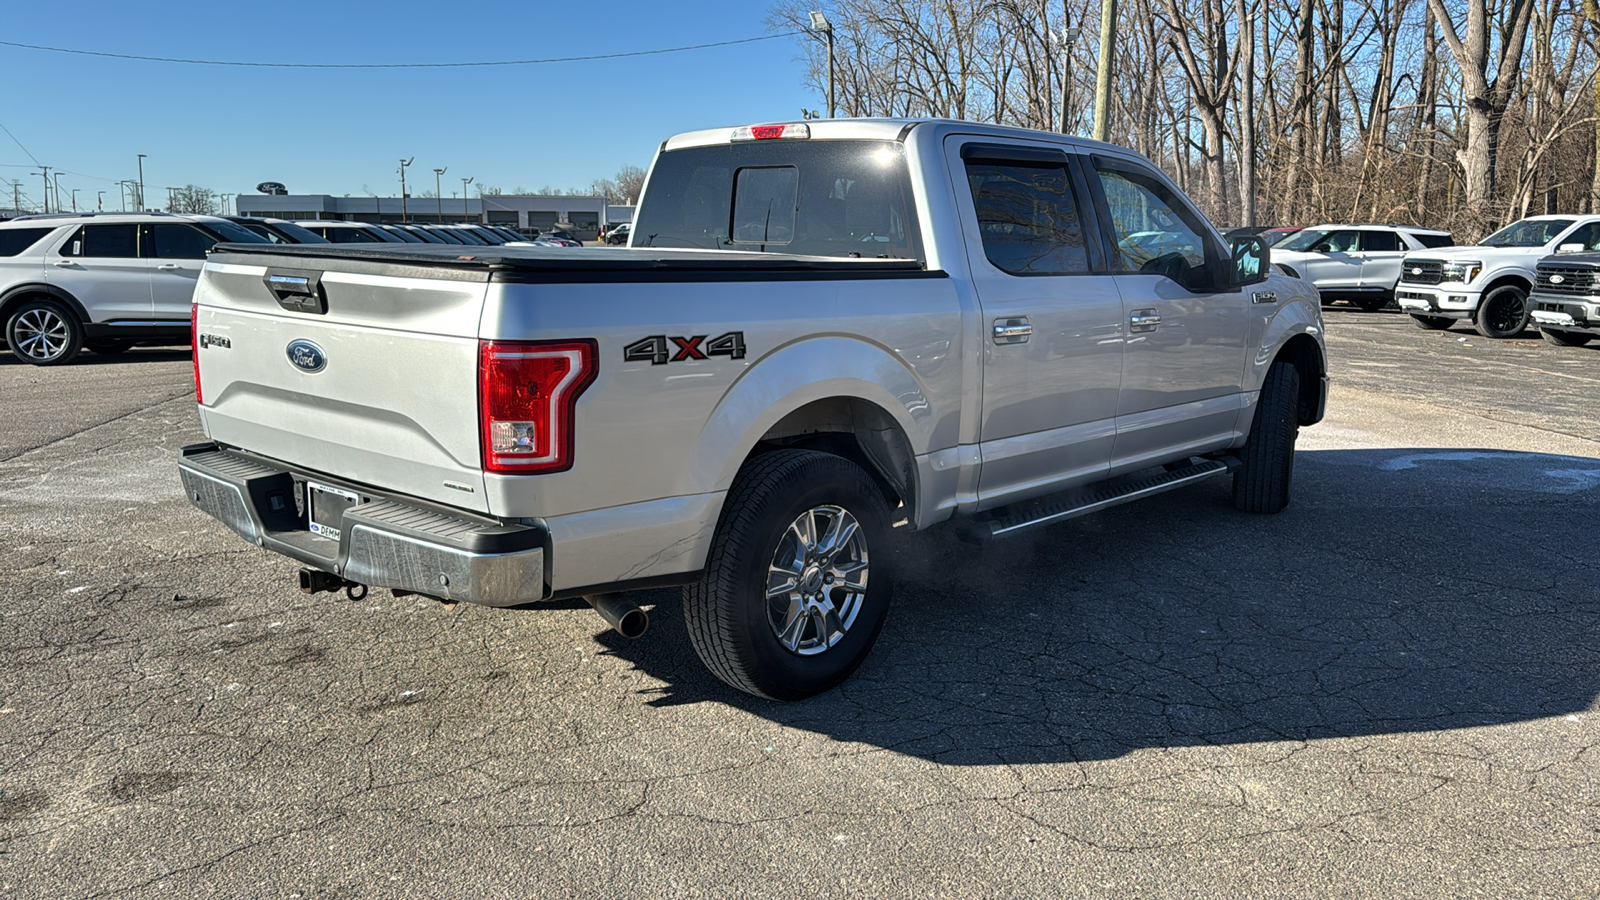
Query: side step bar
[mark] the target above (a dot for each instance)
(1061, 507)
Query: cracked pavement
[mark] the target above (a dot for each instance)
(1388, 690)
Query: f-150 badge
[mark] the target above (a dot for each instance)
(659, 349)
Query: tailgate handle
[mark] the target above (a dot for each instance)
(297, 290)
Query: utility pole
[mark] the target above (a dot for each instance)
(74, 199)
(46, 176)
(438, 192)
(139, 205)
(403, 164)
(464, 183)
(16, 197)
(100, 201)
(57, 180)
(820, 23)
(1103, 73)
(172, 199)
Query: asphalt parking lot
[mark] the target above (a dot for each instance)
(1387, 690)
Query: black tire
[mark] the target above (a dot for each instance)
(44, 332)
(1261, 483)
(1502, 313)
(109, 348)
(1371, 304)
(1564, 338)
(1433, 323)
(730, 619)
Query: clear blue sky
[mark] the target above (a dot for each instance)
(333, 131)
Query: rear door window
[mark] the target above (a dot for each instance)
(1435, 240)
(1028, 217)
(1378, 241)
(103, 242)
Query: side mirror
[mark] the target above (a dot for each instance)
(1570, 248)
(1251, 261)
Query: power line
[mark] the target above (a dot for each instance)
(19, 144)
(445, 65)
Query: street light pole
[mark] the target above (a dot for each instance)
(464, 183)
(46, 197)
(820, 23)
(438, 192)
(403, 164)
(140, 203)
(100, 201)
(74, 199)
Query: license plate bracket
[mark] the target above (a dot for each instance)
(325, 506)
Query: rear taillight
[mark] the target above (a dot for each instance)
(527, 391)
(194, 349)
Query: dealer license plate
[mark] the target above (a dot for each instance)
(325, 508)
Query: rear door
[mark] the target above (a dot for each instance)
(100, 265)
(1382, 250)
(176, 251)
(380, 388)
(1183, 367)
(1052, 342)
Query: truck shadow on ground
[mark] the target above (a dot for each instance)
(1402, 591)
(91, 358)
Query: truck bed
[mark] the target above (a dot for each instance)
(540, 264)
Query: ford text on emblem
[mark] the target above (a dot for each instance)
(1556, 279)
(1416, 270)
(306, 356)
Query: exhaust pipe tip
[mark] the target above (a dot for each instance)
(622, 614)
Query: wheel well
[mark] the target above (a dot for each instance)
(1303, 353)
(857, 430)
(1503, 280)
(23, 293)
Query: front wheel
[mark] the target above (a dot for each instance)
(44, 332)
(797, 583)
(1503, 312)
(1433, 323)
(1261, 483)
(1564, 338)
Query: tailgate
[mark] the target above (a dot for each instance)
(379, 389)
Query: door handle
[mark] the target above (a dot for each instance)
(1144, 320)
(1015, 330)
(168, 267)
(65, 264)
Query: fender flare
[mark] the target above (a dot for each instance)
(14, 295)
(786, 380)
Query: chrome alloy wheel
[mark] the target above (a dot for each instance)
(817, 580)
(41, 334)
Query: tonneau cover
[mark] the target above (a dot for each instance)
(508, 263)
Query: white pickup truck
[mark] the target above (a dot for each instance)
(821, 331)
(1488, 282)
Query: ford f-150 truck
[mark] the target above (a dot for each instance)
(820, 332)
(1565, 302)
(1488, 282)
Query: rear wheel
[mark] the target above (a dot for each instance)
(1564, 338)
(797, 582)
(1503, 312)
(1261, 483)
(44, 332)
(1433, 323)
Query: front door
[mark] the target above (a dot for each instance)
(99, 264)
(1183, 369)
(1334, 262)
(177, 251)
(1052, 319)
(1382, 251)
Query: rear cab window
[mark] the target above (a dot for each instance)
(818, 198)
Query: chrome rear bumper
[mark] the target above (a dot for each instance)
(384, 541)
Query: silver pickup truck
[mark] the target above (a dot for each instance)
(820, 332)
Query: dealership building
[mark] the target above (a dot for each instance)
(583, 216)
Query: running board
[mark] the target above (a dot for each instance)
(1061, 507)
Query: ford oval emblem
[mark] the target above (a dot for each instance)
(307, 356)
(1416, 270)
(1556, 279)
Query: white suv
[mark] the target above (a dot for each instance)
(1359, 263)
(102, 281)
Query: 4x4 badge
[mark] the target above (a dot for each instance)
(658, 349)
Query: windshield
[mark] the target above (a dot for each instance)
(228, 231)
(1527, 233)
(1300, 240)
(826, 198)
